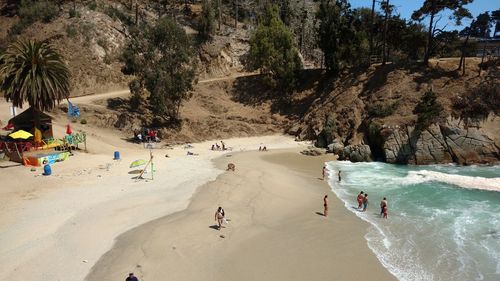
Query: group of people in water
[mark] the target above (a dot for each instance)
(362, 199)
(363, 204)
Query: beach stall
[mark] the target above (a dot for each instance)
(30, 120)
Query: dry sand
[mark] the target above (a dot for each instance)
(276, 230)
(57, 227)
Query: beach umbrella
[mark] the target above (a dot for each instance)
(68, 130)
(137, 163)
(21, 134)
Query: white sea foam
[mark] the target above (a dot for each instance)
(435, 232)
(417, 177)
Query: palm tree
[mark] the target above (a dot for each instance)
(33, 72)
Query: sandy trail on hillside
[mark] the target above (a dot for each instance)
(275, 231)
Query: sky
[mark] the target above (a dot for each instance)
(406, 7)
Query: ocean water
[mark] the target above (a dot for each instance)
(443, 220)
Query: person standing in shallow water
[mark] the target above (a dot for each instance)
(325, 206)
(361, 197)
(383, 204)
(365, 202)
(340, 177)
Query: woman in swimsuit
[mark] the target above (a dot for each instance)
(365, 202)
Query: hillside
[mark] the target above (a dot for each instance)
(362, 115)
(371, 114)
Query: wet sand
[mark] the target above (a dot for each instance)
(276, 231)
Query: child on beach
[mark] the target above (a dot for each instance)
(365, 202)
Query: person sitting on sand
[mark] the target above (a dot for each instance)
(189, 153)
(365, 202)
(213, 147)
(264, 148)
(325, 206)
(360, 199)
(383, 204)
(217, 146)
(231, 167)
(131, 277)
(139, 137)
(219, 217)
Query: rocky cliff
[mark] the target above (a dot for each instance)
(372, 115)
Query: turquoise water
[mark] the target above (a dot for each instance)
(443, 222)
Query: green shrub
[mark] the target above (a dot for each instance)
(428, 110)
(83, 121)
(108, 59)
(32, 11)
(103, 43)
(71, 30)
(92, 5)
(116, 13)
(73, 13)
(379, 110)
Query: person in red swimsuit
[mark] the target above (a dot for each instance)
(360, 199)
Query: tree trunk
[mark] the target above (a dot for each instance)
(136, 13)
(484, 53)
(236, 14)
(384, 49)
(430, 35)
(219, 8)
(371, 32)
(464, 46)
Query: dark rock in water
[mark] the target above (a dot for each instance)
(357, 153)
(336, 147)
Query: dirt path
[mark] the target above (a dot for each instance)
(89, 99)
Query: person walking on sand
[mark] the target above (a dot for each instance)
(360, 198)
(340, 177)
(324, 172)
(325, 206)
(383, 204)
(219, 217)
(365, 202)
(131, 277)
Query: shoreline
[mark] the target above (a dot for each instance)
(273, 201)
(57, 227)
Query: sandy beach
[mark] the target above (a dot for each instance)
(57, 227)
(275, 232)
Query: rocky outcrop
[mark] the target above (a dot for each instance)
(357, 153)
(446, 142)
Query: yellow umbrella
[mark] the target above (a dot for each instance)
(21, 134)
(138, 163)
